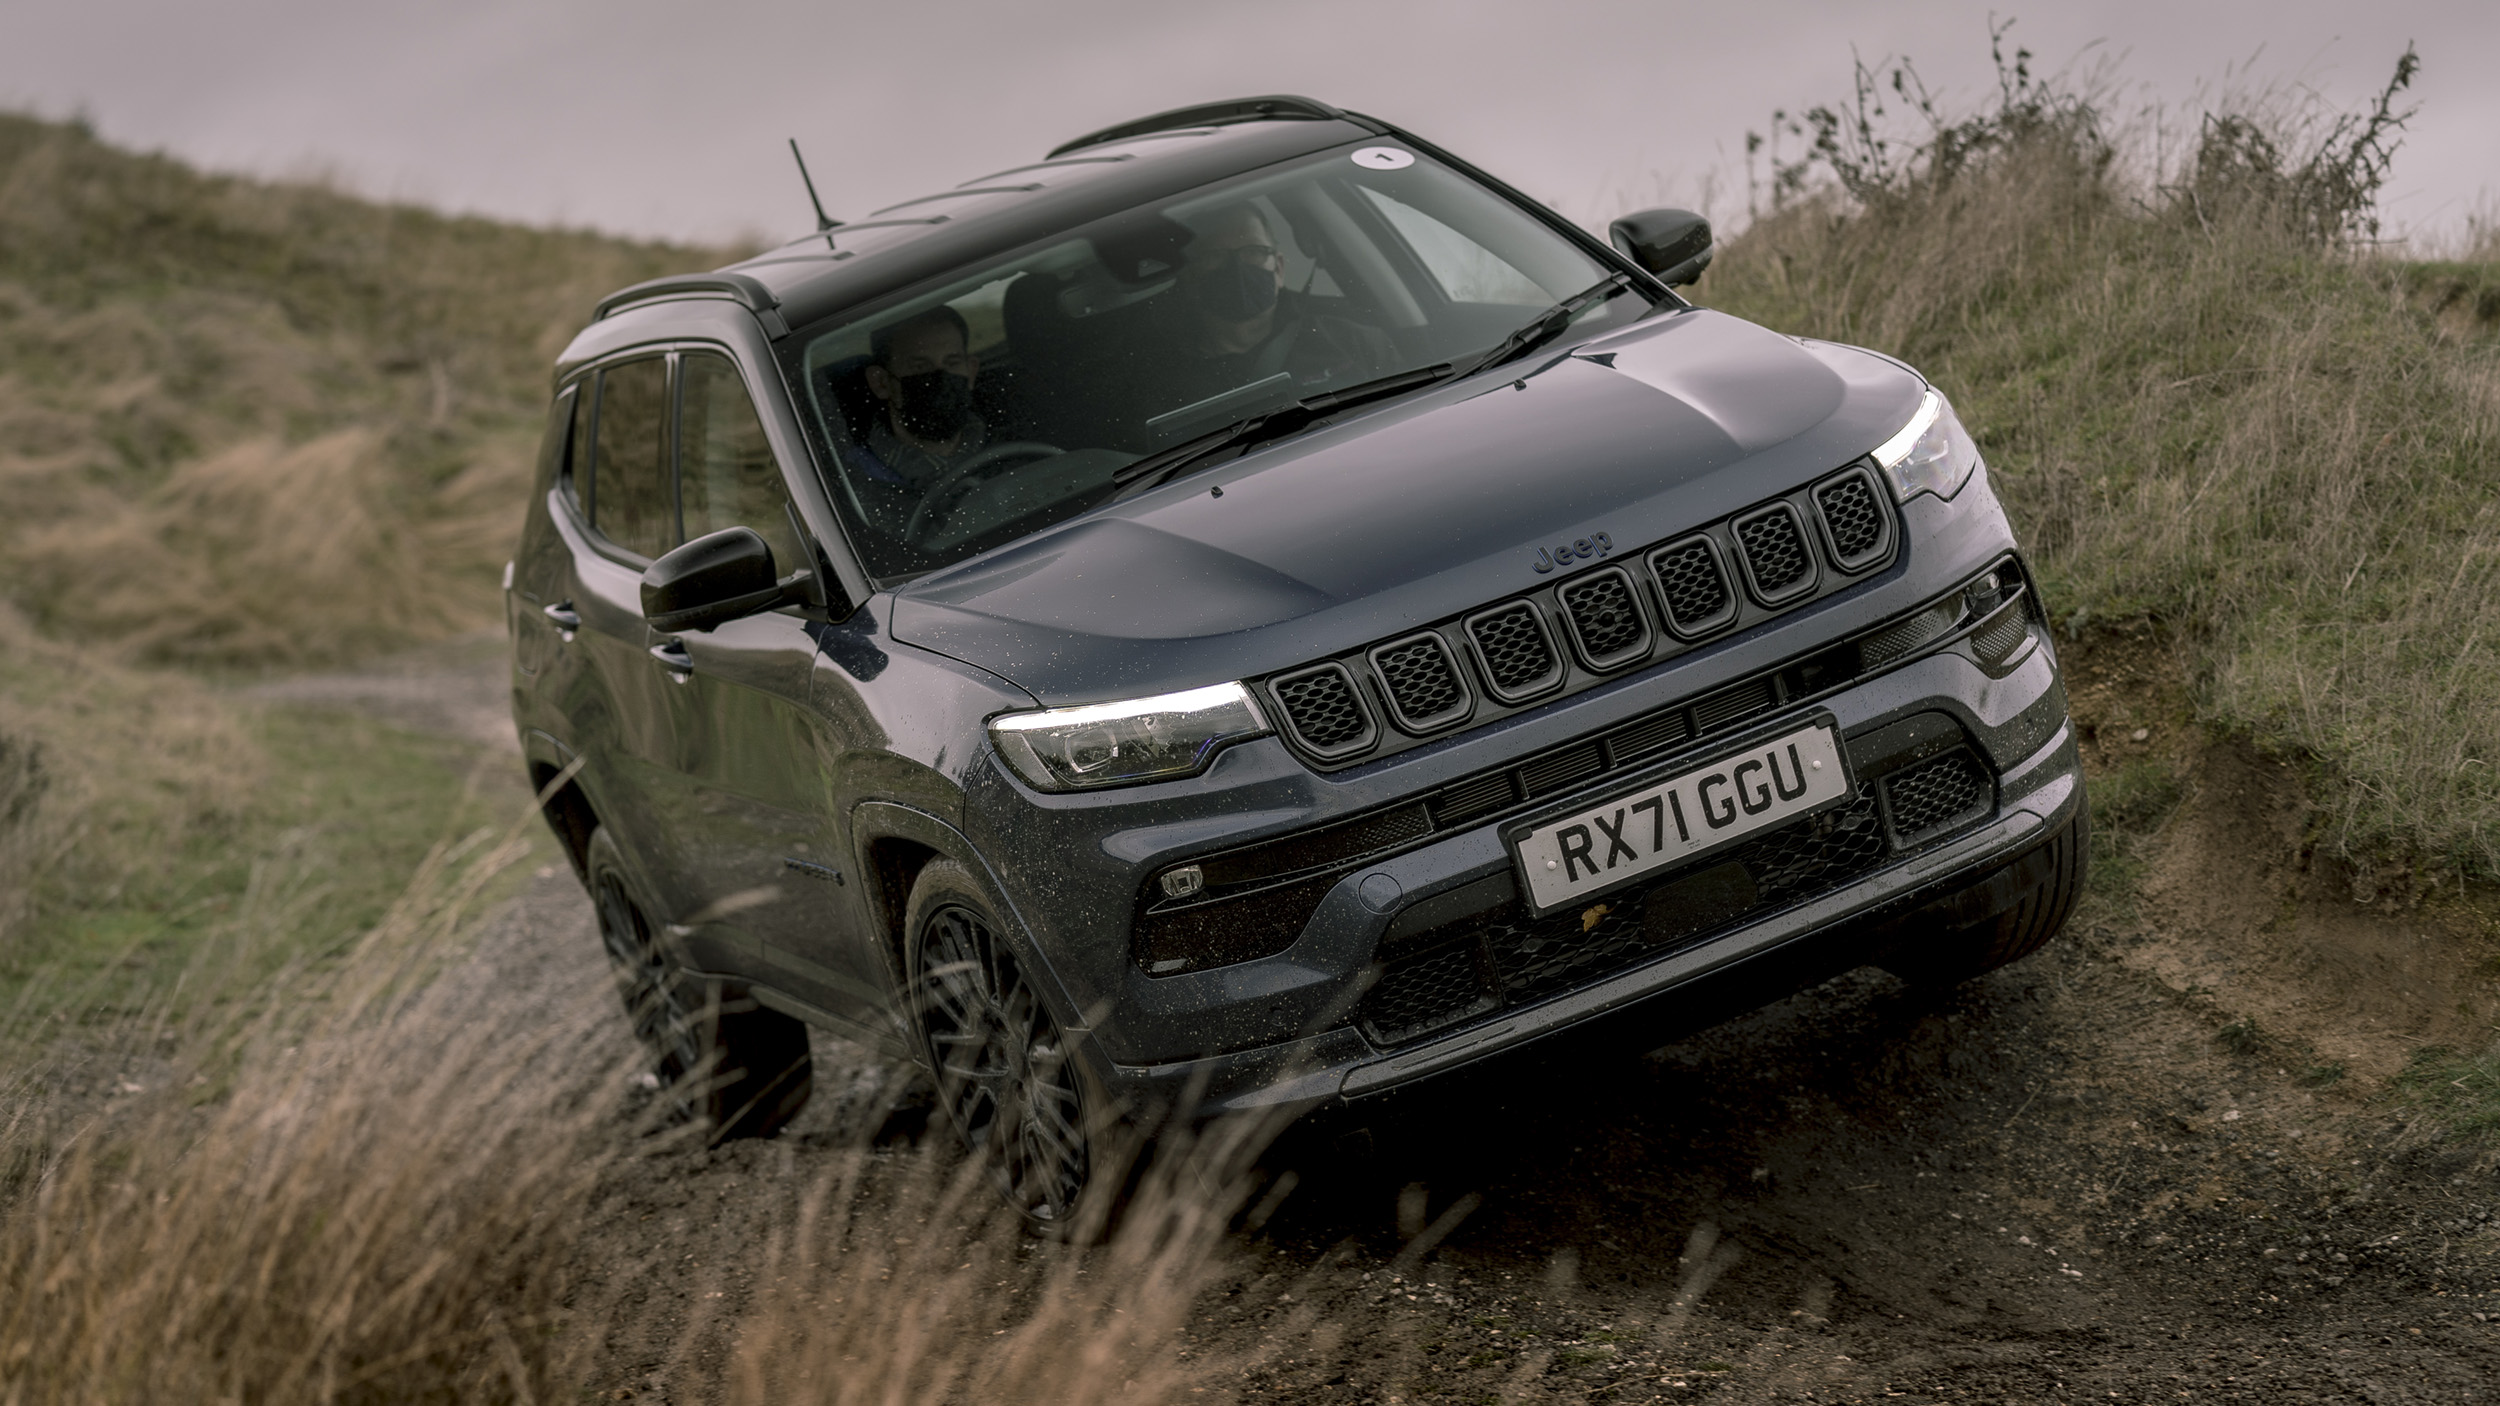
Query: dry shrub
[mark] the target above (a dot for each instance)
(908, 1284)
(376, 1202)
(262, 551)
(2205, 405)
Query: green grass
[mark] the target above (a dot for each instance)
(170, 886)
(2462, 1091)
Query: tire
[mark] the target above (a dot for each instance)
(724, 1062)
(2043, 885)
(1008, 1079)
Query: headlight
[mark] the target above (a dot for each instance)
(1931, 454)
(1120, 744)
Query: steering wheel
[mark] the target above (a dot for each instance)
(948, 493)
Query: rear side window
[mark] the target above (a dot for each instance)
(630, 501)
(726, 473)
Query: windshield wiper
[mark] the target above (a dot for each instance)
(1284, 420)
(1550, 323)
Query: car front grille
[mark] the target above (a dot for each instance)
(1506, 958)
(1724, 576)
(1321, 706)
(1518, 656)
(1854, 519)
(1605, 618)
(1775, 554)
(1422, 682)
(1934, 796)
(1695, 589)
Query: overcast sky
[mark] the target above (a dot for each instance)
(668, 118)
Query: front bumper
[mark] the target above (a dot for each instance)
(1789, 946)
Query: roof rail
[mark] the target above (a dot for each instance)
(1284, 105)
(745, 288)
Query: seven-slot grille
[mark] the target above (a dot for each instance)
(1729, 574)
(1693, 586)
(1517, 654)
(1775, 554)
(1422, 681)
(1855, 525)
(1605, 618)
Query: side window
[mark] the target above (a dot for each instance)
(1467, 271)
(573, 469)
(630, 502)
(725, 470)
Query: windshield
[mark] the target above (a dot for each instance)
(1013, 397)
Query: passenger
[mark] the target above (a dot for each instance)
(921, 371)
(1240, 324)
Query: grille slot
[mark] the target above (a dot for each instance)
(1653, 734)
(1879, 650)
(1932, 796)
(1422, 682)
(1429, 992)
(1997, 641)
(1855, 524)
(1693, 583)
(1734, 704)
(1778, 564)
(1604, 614)
(1516, 651)
(1469, 799)
(1325, 713)
(1555, 770)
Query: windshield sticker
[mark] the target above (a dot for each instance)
(1383, 158)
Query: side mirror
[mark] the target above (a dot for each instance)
(711, 580)
(1673, 244)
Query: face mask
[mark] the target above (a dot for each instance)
(1234, 292)
(932, 405)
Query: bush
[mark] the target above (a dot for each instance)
(2206, 401)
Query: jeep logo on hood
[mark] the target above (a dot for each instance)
(1589, 548)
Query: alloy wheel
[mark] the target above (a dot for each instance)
(1003, 1069)
(655, 999)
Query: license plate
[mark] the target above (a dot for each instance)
(1666, 823)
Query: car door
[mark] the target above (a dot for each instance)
(765, 855)
(620, 695)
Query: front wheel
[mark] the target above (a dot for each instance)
(1006, 1074)
(722, 1060)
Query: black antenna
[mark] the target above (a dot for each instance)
(824, 221)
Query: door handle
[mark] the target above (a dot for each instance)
(674, 658)
(565, 618)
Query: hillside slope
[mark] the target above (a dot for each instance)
(227, 407)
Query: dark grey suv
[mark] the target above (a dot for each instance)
(1250, 611)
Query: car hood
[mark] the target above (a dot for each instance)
(1412, 513)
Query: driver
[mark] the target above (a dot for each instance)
(921, 371)
(1239, 323)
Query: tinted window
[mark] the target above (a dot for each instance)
(630, 502)
(573, 470)
(726, 474)
(1011, 398)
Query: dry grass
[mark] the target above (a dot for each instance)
(2201, 411)
(384, 1187)
(228, 408)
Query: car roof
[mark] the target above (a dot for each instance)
(1095, 175)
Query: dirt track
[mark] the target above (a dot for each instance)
(2052, 1184)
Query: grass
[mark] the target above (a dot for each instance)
(2204, 413)
(228, 405)
(169, 816)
